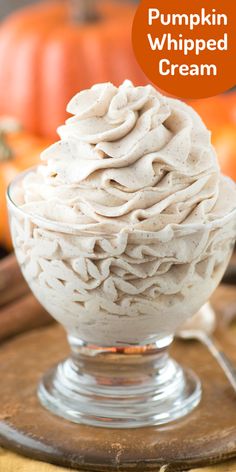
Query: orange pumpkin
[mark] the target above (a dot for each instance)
(224, 140)
(219, 114)
(51, 50)
(18, 150)
(215, 111)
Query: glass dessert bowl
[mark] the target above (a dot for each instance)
(123, 235)
(119, 373)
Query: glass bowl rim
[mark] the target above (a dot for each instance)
(76, 229)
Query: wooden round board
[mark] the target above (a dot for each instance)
(206, 436)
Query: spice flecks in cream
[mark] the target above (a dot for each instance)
(137, 221)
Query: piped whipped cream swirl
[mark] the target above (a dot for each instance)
(132, 159)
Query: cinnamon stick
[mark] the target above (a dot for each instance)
(12, 283)
(230, 275)
(21, 316)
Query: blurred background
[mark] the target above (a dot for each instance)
(7, 6)
(51, 49)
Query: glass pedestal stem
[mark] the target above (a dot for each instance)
(122, 387)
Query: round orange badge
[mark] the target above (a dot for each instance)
(187, 47)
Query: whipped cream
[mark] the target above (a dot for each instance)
(131, 222)
(131, 159)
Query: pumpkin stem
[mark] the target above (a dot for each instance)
(6, 153)
(84, 11)
(7, 125)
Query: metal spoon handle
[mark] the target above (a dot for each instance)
(225, 363)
